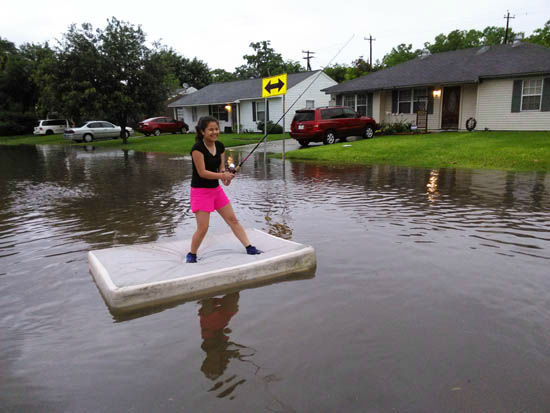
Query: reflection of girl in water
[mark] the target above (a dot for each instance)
(215, 314)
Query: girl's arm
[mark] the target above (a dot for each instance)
(198, 159)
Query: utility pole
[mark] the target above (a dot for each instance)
(507, 17)
(370, 39)
(308, 57)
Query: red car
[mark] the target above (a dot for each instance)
(326, 124)
(155, 126)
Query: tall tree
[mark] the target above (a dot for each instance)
(265, 62)
(221, 75)
(109, 73)
(541, 36)
(400, 54)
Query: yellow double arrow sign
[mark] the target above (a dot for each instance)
(273, 86)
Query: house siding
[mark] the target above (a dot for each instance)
(468, 99)
(494, 109)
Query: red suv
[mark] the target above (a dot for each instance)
(326, 124)
(156, 126)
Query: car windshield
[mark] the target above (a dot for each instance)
(149, 120)
(81, 126)
(303, 116)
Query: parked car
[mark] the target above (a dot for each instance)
(155, 126)
(326, 124)
(95, 129)
(51, 126)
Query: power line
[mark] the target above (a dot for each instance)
(308, 57)
(507, 17)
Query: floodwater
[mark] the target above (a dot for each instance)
(432, 290)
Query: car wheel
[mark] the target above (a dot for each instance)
(49, 132)
(369, 132)
(184, 130)
(127, 134)
(156, 132)
(330, 138)
(88, 137)
(303, 143)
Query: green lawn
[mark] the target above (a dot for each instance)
(168, 143)
(515, 151)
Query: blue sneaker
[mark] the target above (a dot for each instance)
(252, 250)
(191, 258)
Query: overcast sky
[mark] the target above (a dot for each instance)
(219, 32)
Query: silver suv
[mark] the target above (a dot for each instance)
(51, 126)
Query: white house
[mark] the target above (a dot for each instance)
(239, 106)
(504, 87)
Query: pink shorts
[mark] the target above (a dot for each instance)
(208, 199)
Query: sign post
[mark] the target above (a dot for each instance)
(273, 86)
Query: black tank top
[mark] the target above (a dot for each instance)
(211, 163)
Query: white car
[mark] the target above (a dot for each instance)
(95, 129)
(51, 126)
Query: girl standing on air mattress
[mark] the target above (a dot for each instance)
(206, 193)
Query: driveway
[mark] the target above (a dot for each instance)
(290, 145)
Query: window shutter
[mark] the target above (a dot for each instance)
(545, 106)
(516, 96)
(430, 101)
(254, 111)
(267, 111)
(210, 110)
(394, 101)
(369, 105)
(339, 100)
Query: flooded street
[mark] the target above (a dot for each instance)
(432, 289)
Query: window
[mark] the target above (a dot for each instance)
(219, 112)
(531, 94)
(349, 101)
(404, 101)
(304, 116)
(420, 96)
(362, 105)
(349, 113)
(260, 111)
(107, 125)
(339, 99)
(310, 104)
(194, 113)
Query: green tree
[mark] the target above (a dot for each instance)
(337, 72)
(455, 40)
(400, 54)
(541, 36)
(265, 62)
(221, 75)
(109, 73)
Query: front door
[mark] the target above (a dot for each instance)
(451, 107)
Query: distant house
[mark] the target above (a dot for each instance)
(239, 106)
(504, 87)
(177, 113)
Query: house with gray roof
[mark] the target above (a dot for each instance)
(239, 105)
(504, 87)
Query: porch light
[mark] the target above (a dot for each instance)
(228, 108)
(437, 93)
